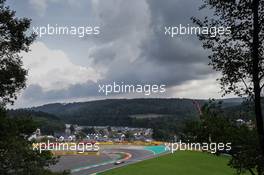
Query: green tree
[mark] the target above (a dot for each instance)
(80, 135)
(246, 152)
(14, 39)
(239, 55)
(17, 156)
(213, 126)
(216, 127)
(129, 136)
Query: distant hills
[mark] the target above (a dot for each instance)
(91, 112)
(164, 115)
(48, 123)
(180, 107)
(129, 106)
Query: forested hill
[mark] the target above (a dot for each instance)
(165, 116)
(106, 111)
(122, 107)
(48, 123)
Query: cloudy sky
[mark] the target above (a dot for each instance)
(130, 48)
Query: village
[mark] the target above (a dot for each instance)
(75, 132)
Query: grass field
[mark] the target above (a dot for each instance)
(179, 163)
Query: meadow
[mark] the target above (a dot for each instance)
(179, 163)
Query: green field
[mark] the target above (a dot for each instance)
(179, 163)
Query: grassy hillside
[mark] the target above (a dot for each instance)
(179, 163)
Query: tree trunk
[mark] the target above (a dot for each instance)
(256, 72)
(252, 172)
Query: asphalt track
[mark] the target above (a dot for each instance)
(85, 165)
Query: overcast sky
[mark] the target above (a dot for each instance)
(131, 48)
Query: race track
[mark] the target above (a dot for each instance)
(85, 165)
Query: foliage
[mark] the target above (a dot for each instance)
(215, 127)
(47, 123)
(17, 156)
(238, 55)
(246, 153)
(14, 39)
(16, 153)
(231, 53)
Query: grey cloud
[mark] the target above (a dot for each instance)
(173, 11)
(156, 57)
(133, 49)
(121, 19)
(103, 57)
(180, 49)
(34, 92)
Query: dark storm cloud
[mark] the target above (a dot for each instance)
(166, 50)
(180, 49)
(160, 59)
(173, 11)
